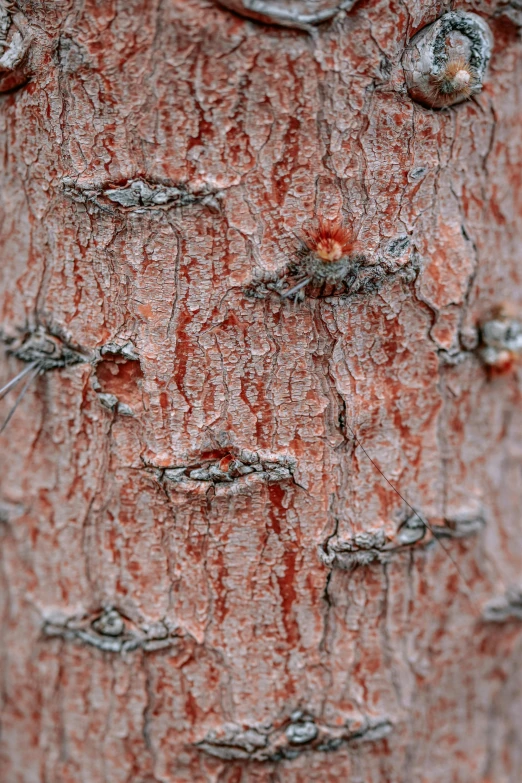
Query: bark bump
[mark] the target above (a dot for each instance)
(289, 13)
(445, 63)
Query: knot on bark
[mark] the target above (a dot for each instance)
(445, 62)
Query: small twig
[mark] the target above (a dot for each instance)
(296, 288)
(20, 397)
(17, 378)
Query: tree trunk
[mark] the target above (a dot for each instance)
(205, 577)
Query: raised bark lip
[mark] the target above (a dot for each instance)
(272, 13)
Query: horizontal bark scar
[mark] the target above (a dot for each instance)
(139, 195)
(48, 346)
(110, 631)
(237, 468)
(42, 349)
(288, 739)
(375, 546)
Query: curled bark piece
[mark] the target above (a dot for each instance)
(289, 13)
(446, 61)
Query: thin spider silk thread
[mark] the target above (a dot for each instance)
(427, 525)
(32, 376)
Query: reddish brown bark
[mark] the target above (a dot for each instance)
(204, 578)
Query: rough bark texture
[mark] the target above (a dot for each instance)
(203, 576)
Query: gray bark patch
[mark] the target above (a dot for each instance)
(289, 13)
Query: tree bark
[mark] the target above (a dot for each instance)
(205, 577)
